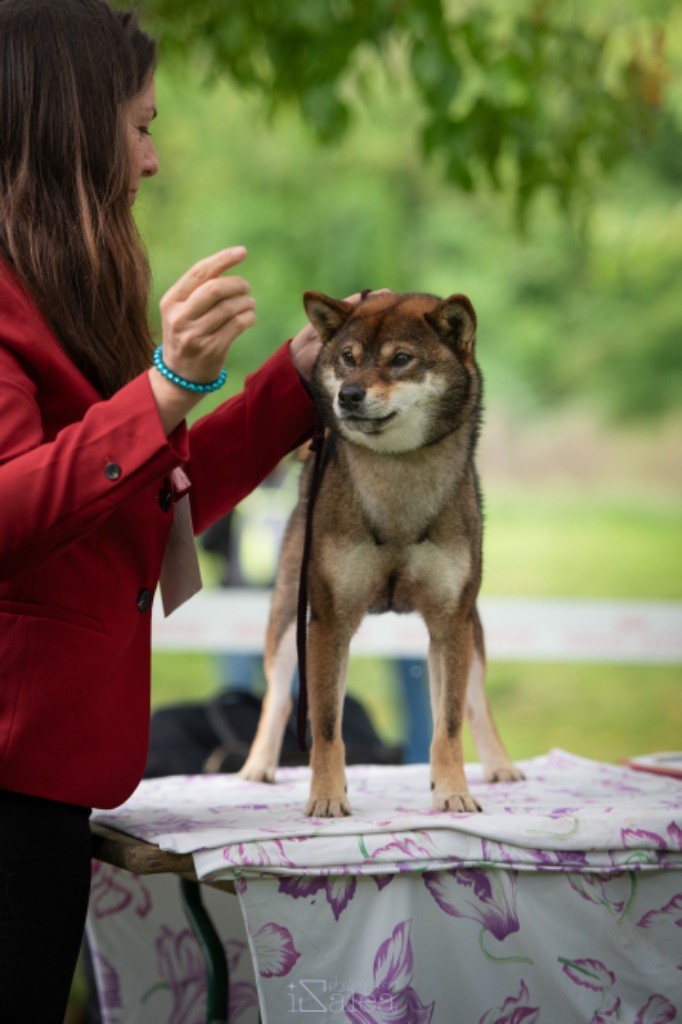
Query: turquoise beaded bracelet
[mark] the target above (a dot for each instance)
(182, 382)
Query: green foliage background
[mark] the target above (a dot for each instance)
(575, 310)
(526, 94)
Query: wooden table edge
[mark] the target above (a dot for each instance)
(142, 858)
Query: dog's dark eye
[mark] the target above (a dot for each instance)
(347, 357)
(401, 359)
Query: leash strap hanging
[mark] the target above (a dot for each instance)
(316, 446)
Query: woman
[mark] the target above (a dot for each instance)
(91, 444)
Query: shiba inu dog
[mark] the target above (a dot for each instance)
(397, 526)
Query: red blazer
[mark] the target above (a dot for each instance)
(85, 511)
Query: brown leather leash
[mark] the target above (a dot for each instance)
(316, 446)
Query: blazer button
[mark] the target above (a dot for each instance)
(165, 498)
(144, 600)
(112, 471)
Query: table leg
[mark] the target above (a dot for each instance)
(217, 979)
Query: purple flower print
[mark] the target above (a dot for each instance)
(604, 890)
(108, 984)
(392, 1000)
(636, 838)
(242, 993)
(562, 860)
(675, 834)
(672, 909)
(259, 855)
(168, 824)
(656, 1010)
(674, 845)
(407, 847)
(182, 970)
(640, 838)
(113, 891)
(514, 1011)
(242, 998)
(183, 973)
(593, 974)
(493, 852)
(588, 973)
(483, 896)
(338, 889)
(275, 950)
(234, 951)
(487, 897)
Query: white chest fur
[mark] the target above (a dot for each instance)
(402, 494)
(358, 573)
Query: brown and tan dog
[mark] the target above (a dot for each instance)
(397, 526)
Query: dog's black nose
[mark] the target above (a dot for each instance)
(351, 396)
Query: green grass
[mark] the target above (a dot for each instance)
(570, 545)
(537, 544)
(179, 676)
(606, 712)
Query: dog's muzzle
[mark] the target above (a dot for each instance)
(354, 413)
(351, 397)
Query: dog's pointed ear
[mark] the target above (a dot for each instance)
(325, 314)
(455, 320)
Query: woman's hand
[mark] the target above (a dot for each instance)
(305, 347)
(202, 314)
(304, 350)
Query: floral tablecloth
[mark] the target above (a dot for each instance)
(562, 903)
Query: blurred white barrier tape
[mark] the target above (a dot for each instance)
(516, 628)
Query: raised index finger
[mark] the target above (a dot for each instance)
(204, 270)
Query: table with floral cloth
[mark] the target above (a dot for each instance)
(560, 904)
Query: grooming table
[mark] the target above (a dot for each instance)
(561, 903)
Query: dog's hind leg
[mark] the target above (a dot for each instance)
(435, 674)
(496, 763)
(280, 661)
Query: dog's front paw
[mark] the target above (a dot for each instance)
(502, 773)
(256, 770)
(328, 806)
(459, 802)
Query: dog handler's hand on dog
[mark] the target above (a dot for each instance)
(306, 346)
(202, 314)
(304, 350)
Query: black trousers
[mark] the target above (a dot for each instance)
(44, 888)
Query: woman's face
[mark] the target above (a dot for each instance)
(142, 158)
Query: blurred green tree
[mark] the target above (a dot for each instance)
(527, 95)
(561, 322)
(589, 318)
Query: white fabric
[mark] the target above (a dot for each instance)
(561, 903)
(147, 961)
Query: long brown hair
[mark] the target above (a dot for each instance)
(67, 68)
